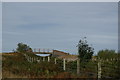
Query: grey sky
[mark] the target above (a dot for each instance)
(60, 25)
(0, 27)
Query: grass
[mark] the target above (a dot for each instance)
(15, 65)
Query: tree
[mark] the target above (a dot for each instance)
(23, 48)
(84, 50)
(107, 54)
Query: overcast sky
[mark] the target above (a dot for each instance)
(60, 25)
(0, 27)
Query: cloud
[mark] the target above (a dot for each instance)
(60, 25)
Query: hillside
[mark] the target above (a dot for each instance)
(60, 55)
(19, 67)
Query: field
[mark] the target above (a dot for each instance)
(16, 65)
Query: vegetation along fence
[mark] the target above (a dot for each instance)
(97, 68)
(32, 65)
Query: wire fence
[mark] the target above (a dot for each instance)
(95, 68)
(107, 68)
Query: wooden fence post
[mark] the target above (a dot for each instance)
(43, 58)
(55, 60)
(64, 65)
(30, 60)
(48, 58)
(78, 66)
(33, 59)
(99, 69)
